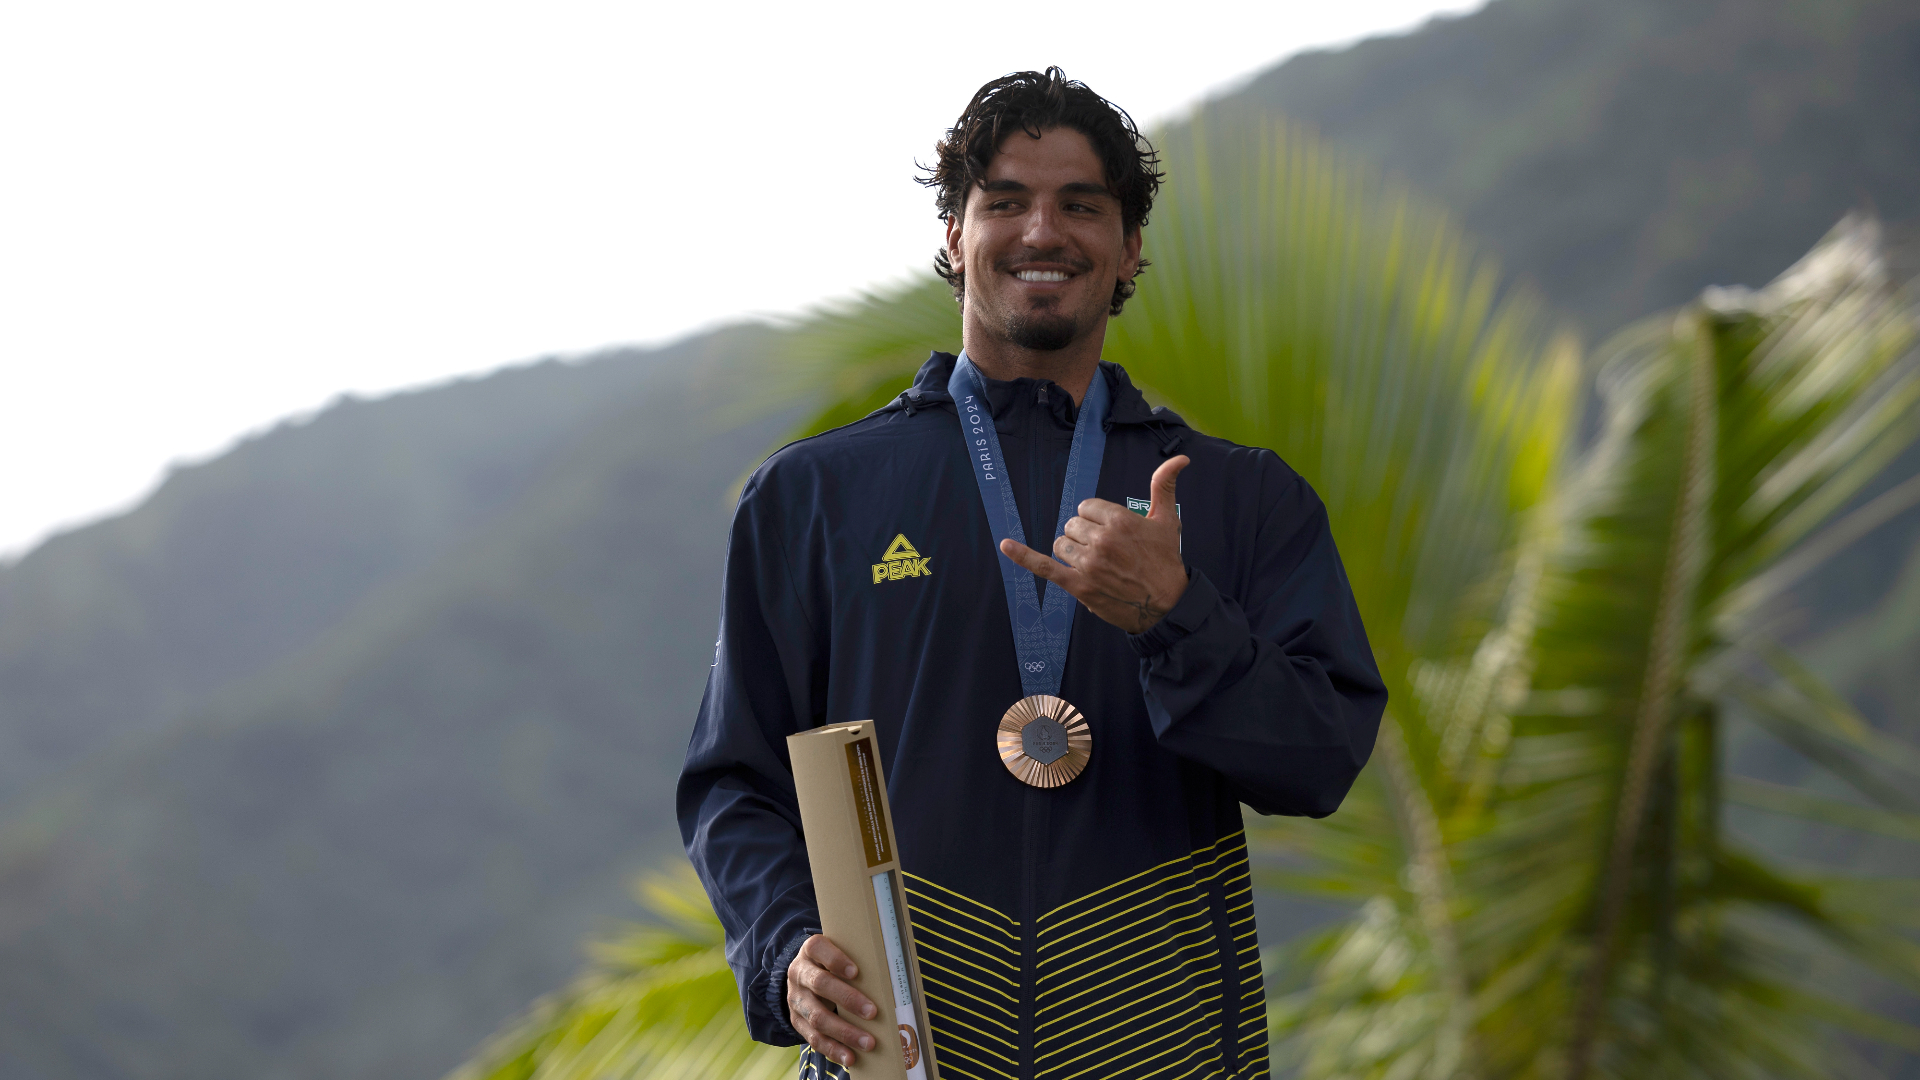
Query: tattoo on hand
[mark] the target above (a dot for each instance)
(1145, 613)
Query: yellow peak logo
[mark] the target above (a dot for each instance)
(900, 561)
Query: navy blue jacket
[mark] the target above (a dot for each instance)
(1050, 923)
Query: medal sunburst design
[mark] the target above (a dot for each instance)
(1013, 741)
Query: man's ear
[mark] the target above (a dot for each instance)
(1130, 258)
(955, 256)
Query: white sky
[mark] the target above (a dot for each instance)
(213, 215)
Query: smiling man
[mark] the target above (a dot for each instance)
(1077, 672)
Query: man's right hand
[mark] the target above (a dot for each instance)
(816, 992)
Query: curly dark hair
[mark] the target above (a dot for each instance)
(1033, 102)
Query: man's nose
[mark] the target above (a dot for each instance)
(1043, 228)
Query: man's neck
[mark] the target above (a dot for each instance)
(1072, 367)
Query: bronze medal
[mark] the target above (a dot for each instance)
(1044, 741)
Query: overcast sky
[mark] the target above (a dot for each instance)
(214, 215)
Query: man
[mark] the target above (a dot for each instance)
(1079, 910)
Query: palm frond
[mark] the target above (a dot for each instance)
(856, 355)
(1734, 430)
(1600, 917)
(658, 1002)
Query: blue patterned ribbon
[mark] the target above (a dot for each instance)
(1040, 631)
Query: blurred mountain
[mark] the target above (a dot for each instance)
(240, 562)
(382, 831)
(1623, 156)
(321, 761)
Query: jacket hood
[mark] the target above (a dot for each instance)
(1129, 407)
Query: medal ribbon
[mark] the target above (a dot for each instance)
(1040, 632)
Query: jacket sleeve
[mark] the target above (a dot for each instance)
(1276, 690)
(739, 816)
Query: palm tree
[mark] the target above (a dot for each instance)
(1595, 915)
(1539, 881)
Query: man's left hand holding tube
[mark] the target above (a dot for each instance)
(817, 991)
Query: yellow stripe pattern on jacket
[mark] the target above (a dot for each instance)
(1154, 976)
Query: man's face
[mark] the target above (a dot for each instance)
(1042, 243)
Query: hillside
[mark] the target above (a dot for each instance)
(356, 861)
(321, 761)
(1623, 156)
(240, 562)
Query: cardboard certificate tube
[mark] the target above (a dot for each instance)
(858, 884)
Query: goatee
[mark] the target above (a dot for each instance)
(1045, 332)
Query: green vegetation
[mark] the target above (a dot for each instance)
(658, 1002)
(1561, 895)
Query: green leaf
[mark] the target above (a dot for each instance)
(659, 1002)
(1797, 802)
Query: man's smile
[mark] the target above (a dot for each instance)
(1045, 268)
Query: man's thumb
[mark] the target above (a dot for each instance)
(1161, 488)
